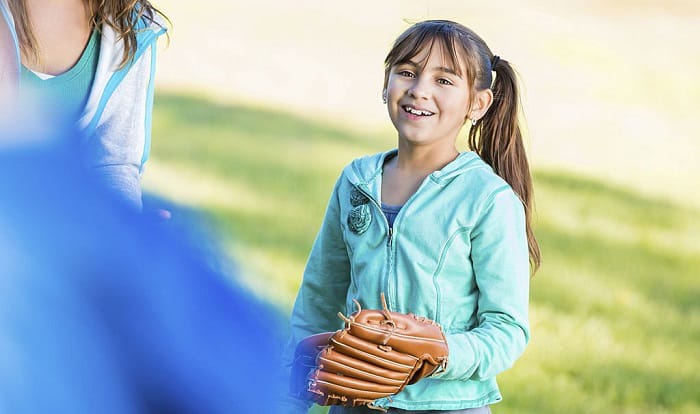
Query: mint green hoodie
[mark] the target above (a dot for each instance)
(457, 254)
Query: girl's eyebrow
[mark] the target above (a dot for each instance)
(437, 68)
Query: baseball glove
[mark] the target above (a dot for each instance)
(305, 363)
(376, 355)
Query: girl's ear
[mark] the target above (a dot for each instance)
(482, 102)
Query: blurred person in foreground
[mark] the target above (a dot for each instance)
(92, 64)
(103, 309)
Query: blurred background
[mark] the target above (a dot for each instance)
(259, 105)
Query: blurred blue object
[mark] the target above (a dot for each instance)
(106, 310)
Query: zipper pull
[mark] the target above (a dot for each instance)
(391, 233)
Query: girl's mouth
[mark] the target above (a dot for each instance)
(417, 112)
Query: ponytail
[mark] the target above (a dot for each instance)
(497, 138)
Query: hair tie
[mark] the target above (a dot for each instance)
(494, 61)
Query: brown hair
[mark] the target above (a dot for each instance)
(497, 136)
(121, 15)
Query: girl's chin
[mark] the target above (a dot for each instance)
(425, 138)
(416, 140)
(417, 133)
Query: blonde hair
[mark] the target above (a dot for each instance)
(120, 15)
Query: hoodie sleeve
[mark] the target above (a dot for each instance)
(116, 146)
(323, 288)
(501, 265)
(326, 279)
(118, 115)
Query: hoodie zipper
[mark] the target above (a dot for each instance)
(390, 265)
(385, 285)
(391, 288)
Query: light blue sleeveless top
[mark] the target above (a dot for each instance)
(63, 95)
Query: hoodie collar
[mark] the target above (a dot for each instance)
(365, 173)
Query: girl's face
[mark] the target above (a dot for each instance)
(427, 101)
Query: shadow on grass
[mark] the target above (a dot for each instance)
(291, 163)
(669, 279)
(627, 204)
(662, 274)
(287, 158)
(268, 125)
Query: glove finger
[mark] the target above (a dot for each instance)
(423, 370)
(312, 345)
(333, 395)
(407, 341)
(405, 333)
(301, 369)
(332, 361)
(331, 383)
(361, 349)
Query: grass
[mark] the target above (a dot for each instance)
(615, 311)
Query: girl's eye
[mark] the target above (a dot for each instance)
(406, 73)
(444, 81)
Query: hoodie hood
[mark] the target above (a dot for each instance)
(365, 172)
(108, 75)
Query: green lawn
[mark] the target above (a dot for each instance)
(615, 308)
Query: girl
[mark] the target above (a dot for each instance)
(444, 234)
(91, 63)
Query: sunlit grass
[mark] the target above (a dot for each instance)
(265, 175)
(615, 308)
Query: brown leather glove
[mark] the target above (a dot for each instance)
(376, 355)
(305, 363)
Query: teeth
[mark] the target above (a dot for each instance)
(416, 111)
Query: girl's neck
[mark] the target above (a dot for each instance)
(61, 29)
(403, 174)
(424, 159)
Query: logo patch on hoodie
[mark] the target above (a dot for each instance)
(359, 219)
(357, 197)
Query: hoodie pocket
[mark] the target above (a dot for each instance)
(454, 279)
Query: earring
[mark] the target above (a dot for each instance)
(473, 122)
(384, 96)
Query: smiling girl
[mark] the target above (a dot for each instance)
(443, 234)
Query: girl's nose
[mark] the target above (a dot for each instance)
(419, 90)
